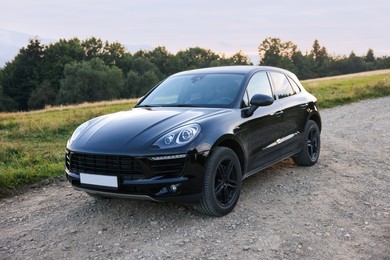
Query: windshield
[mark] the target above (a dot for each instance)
(198, 90)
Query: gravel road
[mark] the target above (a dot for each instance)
(337, 209)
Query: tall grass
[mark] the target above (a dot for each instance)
(32, 144)
(341, 91)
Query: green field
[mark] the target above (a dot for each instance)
(341, 90)
(32, 144)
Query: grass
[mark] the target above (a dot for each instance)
(32, 144)
(339, 91)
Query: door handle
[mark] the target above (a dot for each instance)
(303, 106)
(278, 113)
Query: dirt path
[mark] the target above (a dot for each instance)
(352, 75)
(337, 209)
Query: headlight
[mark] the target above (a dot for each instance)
(78, 131)
(178, 137)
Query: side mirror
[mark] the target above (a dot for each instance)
(258, 100)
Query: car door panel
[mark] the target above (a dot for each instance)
(294, 112)
(260, 135)
(294, 106)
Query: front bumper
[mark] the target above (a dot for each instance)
(151, 180)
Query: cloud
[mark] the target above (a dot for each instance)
(223, 26)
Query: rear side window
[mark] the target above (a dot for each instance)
(294, 85)
(258, 84)
(282, 87)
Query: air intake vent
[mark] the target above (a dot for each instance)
(104, 164)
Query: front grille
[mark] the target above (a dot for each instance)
(104, 164)
(125, 166)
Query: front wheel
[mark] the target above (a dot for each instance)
(222, 183)
(311, 145)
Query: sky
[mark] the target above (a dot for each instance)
(224, 26)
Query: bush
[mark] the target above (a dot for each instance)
(90, 81)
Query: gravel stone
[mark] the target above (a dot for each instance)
(336, 209)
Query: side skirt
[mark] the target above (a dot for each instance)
(246, 175)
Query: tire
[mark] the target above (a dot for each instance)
(222, 183)
(311, 145)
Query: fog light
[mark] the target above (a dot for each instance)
(173, 188)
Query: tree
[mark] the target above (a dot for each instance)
(24, 74)
(316, 49)
(370, 57)
(110, 53)
(93, 47)
(354, 63)
(138, 84)
(304, 65)
(90, 81)
(320, 54)
(197, 57)
(382, 62)
(55, 57)
(320, 60)
(132, 82)
(6, 103)
(125, 63)
(141, 77)
(274, 52)
(159, 57)
(43, 95)
(147, 80)
(239, 58)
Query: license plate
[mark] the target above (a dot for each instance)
(99, 180)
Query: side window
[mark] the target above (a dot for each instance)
(294, 85)
(258, 84)
(282, 87)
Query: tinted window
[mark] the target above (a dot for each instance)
(203, 90)
(258, 84)
(295, 86)
(282, 86)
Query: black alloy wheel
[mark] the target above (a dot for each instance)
(225, 184)
(222, 183)
(311, 145)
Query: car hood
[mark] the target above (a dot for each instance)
(134, 131)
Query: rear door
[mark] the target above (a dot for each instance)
(293, 107)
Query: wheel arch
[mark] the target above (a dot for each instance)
(316, 118)
(236, 147)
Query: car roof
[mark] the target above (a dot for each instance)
(242, 69)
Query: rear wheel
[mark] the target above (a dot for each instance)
(311, 145)
(222, 183)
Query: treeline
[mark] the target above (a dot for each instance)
(75, 71)
(318, 62)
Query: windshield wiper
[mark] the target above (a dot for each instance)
(185, 105)
(168, 105)
(146, 106)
